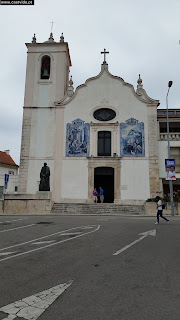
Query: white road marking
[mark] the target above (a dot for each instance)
(50, 235)
(49, 245)
(13, 220)
(149, 233)
(6, 253)
(87, 227)
(107, 218)
(29, 225)
(10, 317)
(42, 242)
(32, 307)
(144, 235)
(140, 217)
(70, 233)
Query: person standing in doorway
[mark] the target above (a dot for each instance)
(159, 210)
(101, 192)
(95, 195)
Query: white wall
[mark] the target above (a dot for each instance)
(5, 169)
(34, 170)
(75, 179)
(13, 179)
(43, 128)
(120, 97)
(42, 146)
(135, 179)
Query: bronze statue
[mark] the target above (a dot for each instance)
(44, 175)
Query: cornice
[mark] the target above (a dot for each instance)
(104, 124)
(49, 44)
(145, 98)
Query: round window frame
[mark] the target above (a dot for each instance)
(99, 109)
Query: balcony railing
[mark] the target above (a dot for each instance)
(174, 136)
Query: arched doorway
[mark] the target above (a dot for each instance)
(104, 178)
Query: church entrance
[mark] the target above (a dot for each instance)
(104, 178)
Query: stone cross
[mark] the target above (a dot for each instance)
(104, 52)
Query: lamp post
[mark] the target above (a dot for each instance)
(170, 182)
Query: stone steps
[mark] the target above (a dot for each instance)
(96, 208)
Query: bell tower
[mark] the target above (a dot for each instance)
(47, 78)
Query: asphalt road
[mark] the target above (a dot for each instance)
(89, 268)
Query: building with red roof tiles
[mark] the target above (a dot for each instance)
(8, 166)
(6, 159)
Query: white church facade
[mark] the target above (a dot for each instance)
(105, 134)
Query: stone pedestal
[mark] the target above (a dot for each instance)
(39, 203)
(43, 195)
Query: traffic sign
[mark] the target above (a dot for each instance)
(6, 179)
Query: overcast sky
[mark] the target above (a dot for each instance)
(142, 36)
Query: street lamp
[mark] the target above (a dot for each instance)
(170, 182)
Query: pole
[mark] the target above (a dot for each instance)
(169, 155)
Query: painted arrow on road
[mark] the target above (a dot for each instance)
(32, 307)
(144, 235)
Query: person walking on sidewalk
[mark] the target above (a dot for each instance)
(160, 210)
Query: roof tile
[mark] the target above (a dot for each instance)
(6, 159)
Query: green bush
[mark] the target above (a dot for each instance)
(166, 199)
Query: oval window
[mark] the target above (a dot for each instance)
(104, 114)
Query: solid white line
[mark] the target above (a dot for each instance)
(29, 225)
(41, 242)
(70, 233)
(50, 245)
(87, 227)
(13, 220)
(128, 246)
(6, 253)
(50, 235)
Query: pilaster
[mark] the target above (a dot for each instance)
(25, 149)
(153, 150)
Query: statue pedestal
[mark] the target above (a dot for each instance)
(39, 203)
(43, 195)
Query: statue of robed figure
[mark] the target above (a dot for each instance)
(44, 175)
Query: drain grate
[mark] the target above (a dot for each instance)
(44, 222)
(5, 224)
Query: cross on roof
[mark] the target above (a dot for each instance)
(52, 22)
(104, 52)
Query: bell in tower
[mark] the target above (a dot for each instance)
(45, 74)
(45, 67)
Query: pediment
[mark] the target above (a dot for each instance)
(139, 94)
